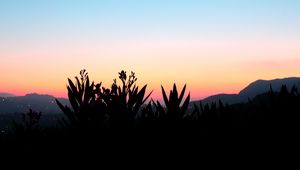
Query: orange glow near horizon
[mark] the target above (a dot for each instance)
(205, 71)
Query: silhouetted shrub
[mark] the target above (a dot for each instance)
(88, 110)
(97, 111)
(27, 133)
(172, 114)
(96, 107)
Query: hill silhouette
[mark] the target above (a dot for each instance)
(253, 89)
(21, 104)
(47, 105)
(6, 95)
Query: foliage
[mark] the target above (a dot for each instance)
(30, 121)
(93, 106)
(87, 108)
(174, 109)
(172, 115)
(95, 110)
(28, 133)
(124, 101)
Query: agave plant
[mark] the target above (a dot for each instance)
(86, 109)
(175, 106)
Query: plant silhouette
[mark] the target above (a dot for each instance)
(174, 109)
(97, 112)
(27, 133)
(170, 116)
(124, 101)
(94, 106)
(88, 110)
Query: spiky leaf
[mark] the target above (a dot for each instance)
(165, 96)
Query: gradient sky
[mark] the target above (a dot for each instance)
(212, 45)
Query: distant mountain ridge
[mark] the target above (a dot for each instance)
(253, 89)
(47, 105)
(20, 104)
(6, 95)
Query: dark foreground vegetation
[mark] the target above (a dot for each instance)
(124, 115)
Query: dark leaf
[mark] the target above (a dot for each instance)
(165, 96)
(185, 104)
(182, 94)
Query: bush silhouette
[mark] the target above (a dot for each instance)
(124, 101)
(123, 106)
(175, 111)
(28, 133)
(88, 110)
(94, 106)
(98, 112)
(170, 116)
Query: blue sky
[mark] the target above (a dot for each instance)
(144, 19)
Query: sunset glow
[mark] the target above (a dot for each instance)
(213, 46)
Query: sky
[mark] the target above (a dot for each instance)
(213, 46)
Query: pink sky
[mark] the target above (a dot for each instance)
(206, 67)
